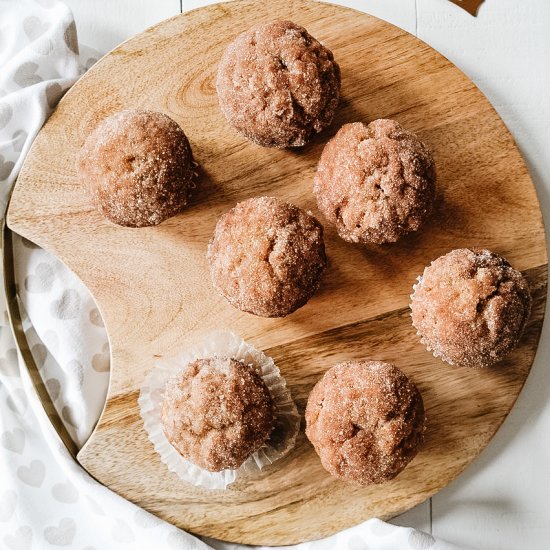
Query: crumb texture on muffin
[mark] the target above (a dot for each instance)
(277, 85)
(267, 256)
(366, 421)
(138, 168)
(216, 412)
(375, 182)
(470, 307)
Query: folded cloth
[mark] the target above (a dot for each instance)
(45, 497)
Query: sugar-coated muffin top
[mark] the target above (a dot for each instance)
(138, 168)
(267, 256)
(216, 412)
(470, 307)
(375, 182)
(365, 420)
(277, 85)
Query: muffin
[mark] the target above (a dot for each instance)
(366, 421)
(216, 412)
(470, 307)
(138, 168)
(277, 85)
(375, 183)
(267, 256)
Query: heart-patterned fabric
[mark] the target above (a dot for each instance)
(46, 499)
(66, 336)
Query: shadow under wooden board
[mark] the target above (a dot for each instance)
(152, 284)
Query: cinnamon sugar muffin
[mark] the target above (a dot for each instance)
(217, 412)
(470, 307)
(365, 420)
(375, 182)
(267, 256)
(138, 167)
(277, 85)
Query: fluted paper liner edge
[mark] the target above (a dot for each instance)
(220, 344)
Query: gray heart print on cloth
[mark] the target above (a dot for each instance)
(6, 166)
(62, 534)
(34, 27)
(101, 361)
(6, 112)
(70, 38)
(70, 416)
(26, 75)
(95, 318)
(13, 440)
(33, 474)
(9, 365)
(53, 94)
(39, 353)
(381, 529)
(41, 280)
(54, 388)
(90, 62)
(20, 540)
(68, 306)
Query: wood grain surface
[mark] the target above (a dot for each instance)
(152, 284)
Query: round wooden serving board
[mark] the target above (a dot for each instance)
(153, 288)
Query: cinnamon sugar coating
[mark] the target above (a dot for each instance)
(366, 421)
(216, 412)
(470, 307)
(375, 182)
(277, 85)
(267, 256)
(138, 167)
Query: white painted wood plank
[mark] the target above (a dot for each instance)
(104, 24)
(502, 501)
(397, 12)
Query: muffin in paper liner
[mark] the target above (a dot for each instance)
(220, 344)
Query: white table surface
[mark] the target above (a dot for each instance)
(502, 501)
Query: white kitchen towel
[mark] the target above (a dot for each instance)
(46, 499)
(69, 343)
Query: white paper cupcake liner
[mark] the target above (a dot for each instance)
(220, 344)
